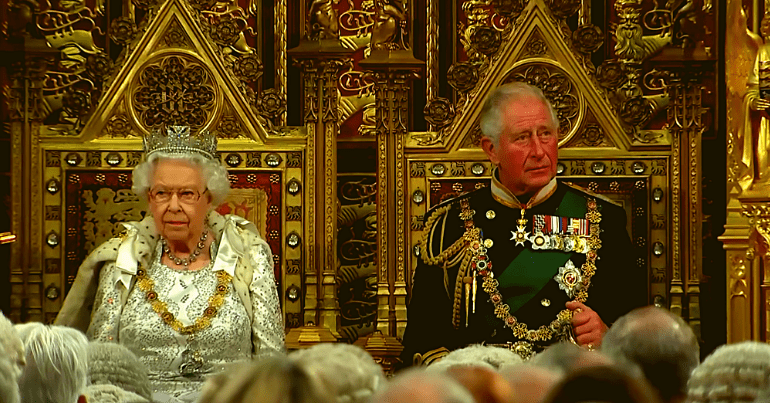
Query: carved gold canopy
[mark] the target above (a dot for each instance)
(342, 123)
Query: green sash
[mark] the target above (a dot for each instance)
(520, 279)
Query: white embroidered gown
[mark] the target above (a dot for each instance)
(178, 364)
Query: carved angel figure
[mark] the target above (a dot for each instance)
(747, 121)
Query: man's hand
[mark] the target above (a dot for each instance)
(588, 326)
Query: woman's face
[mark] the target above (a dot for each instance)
(179, 200)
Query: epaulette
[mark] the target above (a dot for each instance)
(592, 194)
(435, 221)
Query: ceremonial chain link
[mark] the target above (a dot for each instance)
(146, 284)
(490, 285)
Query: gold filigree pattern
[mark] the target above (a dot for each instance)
(177, 90)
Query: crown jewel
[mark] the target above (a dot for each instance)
(179, 140)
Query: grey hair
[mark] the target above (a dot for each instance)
(9, 385)
(662, 344)
(347, 370)
(733, 372)
(491, 118)
(416, 385)
(480, 355)
(114, 364)
(212, 172)
(56, 357)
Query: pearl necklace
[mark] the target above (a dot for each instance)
(194, 255)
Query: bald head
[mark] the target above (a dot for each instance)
(661, 343)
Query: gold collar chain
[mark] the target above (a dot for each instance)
(481, 265)
(146, 284)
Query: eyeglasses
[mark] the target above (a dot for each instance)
(186, 196)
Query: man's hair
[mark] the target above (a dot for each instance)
(491, 118)
(114, 364)
(347, 370)
(660, 343)
(416, 385)
(57, 364)
(272, 379)
(732, 373)
(610, 384)
(564, 357)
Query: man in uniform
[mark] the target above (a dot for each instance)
(527, 261)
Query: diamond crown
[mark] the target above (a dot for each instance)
(180, 140)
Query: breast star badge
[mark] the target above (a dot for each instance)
(569, 278)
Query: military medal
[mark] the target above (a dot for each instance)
(520, 235)
(569, 279)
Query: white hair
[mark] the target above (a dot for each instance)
(112, 394)
(732, 373)
(212, 172)
(480, 355)
(416, 385)
(347, 370)
(114, 364)
(57, 364)
(491, 118)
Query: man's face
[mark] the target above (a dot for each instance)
(528, 148)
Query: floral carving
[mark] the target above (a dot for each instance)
(463, 76)
(99, 66)
(536, 47)
(587, 38)
(175, 91)
(118, 126)
(486, 40)
(564, 8)
(123, 30)
(145, 4)
(439, 112)
(271, 102)
(203, 4)
(248, 68)
(610, 74)
(593, 135)
(77, 103)
(225, 32)
(175, 37)
(635, 111)
(229, 127)
(508, 8)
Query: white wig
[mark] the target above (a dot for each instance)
(57, 364)
(213, 173)
(733, 372)
(114, 364)
(347, 370)
(11, 348)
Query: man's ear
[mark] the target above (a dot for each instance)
(490, 148)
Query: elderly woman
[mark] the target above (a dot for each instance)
(185, 289)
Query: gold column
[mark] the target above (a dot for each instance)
(393, 66)
(686, 126)
(320, 55)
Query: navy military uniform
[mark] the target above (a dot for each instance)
(488, 275)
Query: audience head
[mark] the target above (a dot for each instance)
(477, 354)
(112, 394)
(732, 373)
(272, 379)
(603, 383)
(485, 384)
(417, 385)
(565, 357)
(661, 344)
(114, 364)
(11, 347)
(530, 382)
(56, 358)
(348, 371)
